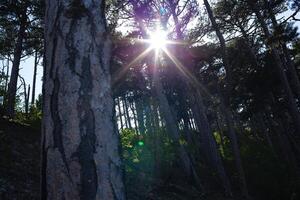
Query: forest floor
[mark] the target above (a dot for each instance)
(20, 169)
(19, 161)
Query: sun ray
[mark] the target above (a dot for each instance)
(158, 42)
(193, 80)
(122, 72)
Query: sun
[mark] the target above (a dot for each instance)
(158, 39)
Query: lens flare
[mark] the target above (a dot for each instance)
(158, 39)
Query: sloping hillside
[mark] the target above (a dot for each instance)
(19, 161)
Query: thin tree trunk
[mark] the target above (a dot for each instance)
(127, 112)
(23, 83)
(120, 113)
(7, 76)
(209, 143)
(80, 154)
(27, 101)
(2, 72)
(291, 103)
(133, 108)
(149, 124)
(261, 121)
(140, 115)
(186, 129)
(286, 152)
(294, 79)
(235, 148)
(226, 100)
(34, 78)
(12, 86)
(186, 162)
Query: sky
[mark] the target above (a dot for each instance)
(26, 71)
(26, 66)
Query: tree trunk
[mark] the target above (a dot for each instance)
(120, 113)
(2, 76)
(23, 83)
(208, 142)
(80, 146)
(27, 101)
(7, 76)
(125, 112)
(235, 148)
(226, 100)
(128, 119)
(34, 78)
(186, 162)
(149, 123)
(133, 108)
(140, 115)
(294, 79)
(291, 103)
(12, 86)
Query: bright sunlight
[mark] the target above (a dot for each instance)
(158, 39)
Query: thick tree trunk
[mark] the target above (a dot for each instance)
(80, 152)
(12, 86)
(34, 78)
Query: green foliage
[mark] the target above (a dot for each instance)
(33, 118)
(145, 157)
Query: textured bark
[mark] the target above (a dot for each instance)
(226, 101)
(12, 86)
(80, 152)
(34, 78)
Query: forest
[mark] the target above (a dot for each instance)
(150, 100)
